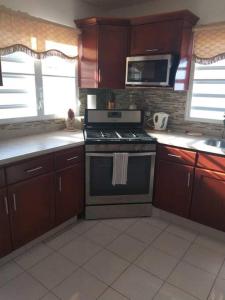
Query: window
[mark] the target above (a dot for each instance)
(36, 89)
(207, 93)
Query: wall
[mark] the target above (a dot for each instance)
(63, 12)
(208, 10)
(154, 100)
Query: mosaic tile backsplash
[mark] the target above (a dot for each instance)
(149, 99)
(153, 100)
(21, 129)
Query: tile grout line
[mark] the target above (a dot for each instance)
(216, 278)
(26, 271)
(173, 269)
(104, 248)
(131, 263)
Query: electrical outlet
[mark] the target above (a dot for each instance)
(147, 113)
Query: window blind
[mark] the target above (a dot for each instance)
(37, 37)
(209, 43)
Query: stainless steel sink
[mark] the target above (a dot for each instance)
(219, 143)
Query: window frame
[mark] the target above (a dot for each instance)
(189, 99)
(38, 77)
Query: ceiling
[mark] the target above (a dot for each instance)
(110, 4)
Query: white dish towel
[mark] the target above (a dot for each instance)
(120, 165)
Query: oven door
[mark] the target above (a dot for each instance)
(140, 175)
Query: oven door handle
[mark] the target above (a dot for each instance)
(129, 154)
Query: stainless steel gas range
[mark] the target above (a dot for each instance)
(109, 134)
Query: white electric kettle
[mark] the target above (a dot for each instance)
(160, 120)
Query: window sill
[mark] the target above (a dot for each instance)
(201, 120)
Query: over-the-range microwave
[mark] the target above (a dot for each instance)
(152, 70)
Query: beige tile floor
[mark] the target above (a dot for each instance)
(136, 259)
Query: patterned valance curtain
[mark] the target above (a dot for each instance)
(209, 43)
(37, 37)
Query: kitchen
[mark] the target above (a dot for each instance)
(101, 204)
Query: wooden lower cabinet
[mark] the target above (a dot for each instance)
(208, 204)
(32, 208)
(5, 235)
(69, 192)
(173, 187)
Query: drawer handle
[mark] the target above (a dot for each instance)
(174, 155)
(14, 202)
(152, 50)
(72, 158)
(6, 205)
(34, 170)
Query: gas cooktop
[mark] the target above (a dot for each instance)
(118, 126)
(117, 135)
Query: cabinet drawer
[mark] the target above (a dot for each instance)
(211, 162)
(2, 178)
(66, 158)
(177, 155)
(29, 168)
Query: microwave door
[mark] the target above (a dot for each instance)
(148, 71)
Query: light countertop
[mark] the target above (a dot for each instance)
(185, 141)
(16, 149)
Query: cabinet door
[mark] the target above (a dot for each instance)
(208, 204)
(5, 236)
(32, 208)
(88, 61)
(173, 187)
(113, 49)
(69, 194)
(2, 178)
(159, 37)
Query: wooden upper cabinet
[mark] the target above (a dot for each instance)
(156, 38)
(169, 33)
(103, 47)
(113, 50)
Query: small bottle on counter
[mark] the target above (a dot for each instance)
(111, 104)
